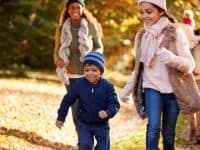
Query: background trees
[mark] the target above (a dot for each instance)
(27, 28)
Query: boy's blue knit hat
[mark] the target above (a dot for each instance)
(68, 2)
(95, 58)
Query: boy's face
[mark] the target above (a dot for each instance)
(92, 73)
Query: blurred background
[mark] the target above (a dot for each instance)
(30, 92)
(27, 30)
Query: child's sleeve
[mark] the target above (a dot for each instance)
(67, 101)
(128, 88)
(113, 103)
(184, 62)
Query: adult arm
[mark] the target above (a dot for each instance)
(57, 44)
(97, 37)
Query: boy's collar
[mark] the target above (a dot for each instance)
(90, 82)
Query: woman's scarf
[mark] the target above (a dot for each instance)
(149, 42)
(66, 39)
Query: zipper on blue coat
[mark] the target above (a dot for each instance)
(91, 103)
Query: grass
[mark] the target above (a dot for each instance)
(137, 142)
(28, 112)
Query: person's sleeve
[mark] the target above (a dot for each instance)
(97, 38)
(63, 52)
(128, 88)
(192, 38)
(57, 44)
(184, 61)
(67, 101)
(113, 103)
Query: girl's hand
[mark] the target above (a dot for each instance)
(59, 124)
(165, 55)
(60, 63)
(125, 99)
(103, 114)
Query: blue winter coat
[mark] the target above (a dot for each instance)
(92, 99)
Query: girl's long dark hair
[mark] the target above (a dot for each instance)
(170, 17)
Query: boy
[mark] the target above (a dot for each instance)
(97, 104)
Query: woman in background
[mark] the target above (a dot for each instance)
(78, 33)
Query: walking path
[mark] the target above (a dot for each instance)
(28, 113)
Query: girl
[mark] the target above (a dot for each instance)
(153, 51)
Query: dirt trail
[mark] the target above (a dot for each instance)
(28, 113)
(123, 126)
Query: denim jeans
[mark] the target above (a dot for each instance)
(162, 113)
(87, 133)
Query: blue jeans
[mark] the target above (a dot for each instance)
(160, 107)
(87, 132)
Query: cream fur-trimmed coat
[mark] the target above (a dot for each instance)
(178, 71)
